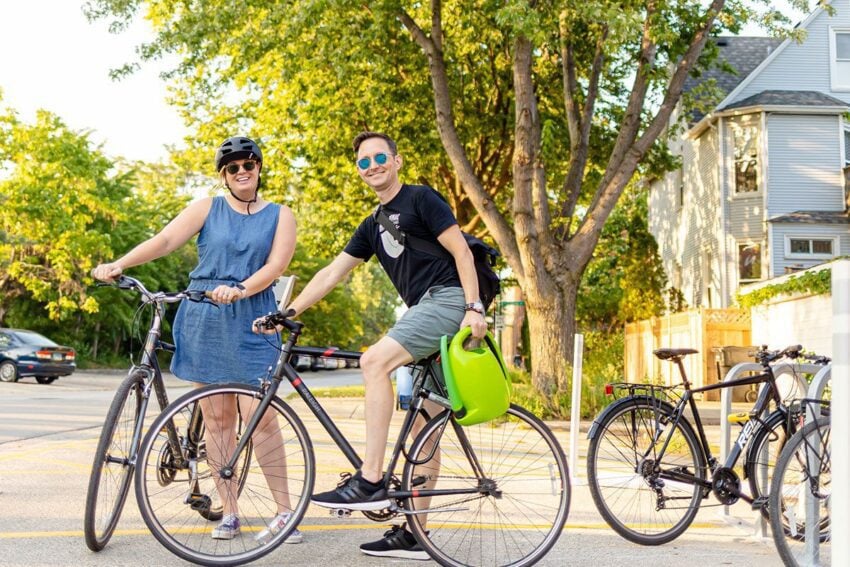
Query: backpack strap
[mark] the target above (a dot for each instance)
(407, 239)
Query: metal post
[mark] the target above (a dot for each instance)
(575, 410)
(840, 417)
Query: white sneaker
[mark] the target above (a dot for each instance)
(228, 528)
(275, 526)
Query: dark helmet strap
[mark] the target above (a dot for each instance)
(249, 201)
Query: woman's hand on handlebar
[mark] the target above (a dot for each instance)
(108, 272)
(226, 294)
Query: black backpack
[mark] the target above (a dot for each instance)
(483, 254)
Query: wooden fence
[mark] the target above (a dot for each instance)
(701, 329)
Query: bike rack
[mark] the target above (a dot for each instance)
(795, 370)
(813, 411)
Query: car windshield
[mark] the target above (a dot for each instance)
(31, 338)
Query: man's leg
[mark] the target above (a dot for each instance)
(377, 363)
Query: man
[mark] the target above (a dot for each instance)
(442, 296)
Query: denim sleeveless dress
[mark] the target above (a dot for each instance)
(215, 344)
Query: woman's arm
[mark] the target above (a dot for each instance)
(175, 234)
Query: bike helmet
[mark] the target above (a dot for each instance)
(477, 379)
(237, 147)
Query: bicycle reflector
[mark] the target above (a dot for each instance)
(477, 378)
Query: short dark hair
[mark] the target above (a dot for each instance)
(363, 136)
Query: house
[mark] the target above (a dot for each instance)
(763, 186)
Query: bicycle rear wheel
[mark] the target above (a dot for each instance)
(643, 498)
(112, 469)
(800, 493)
(520, 497)
(172, 488)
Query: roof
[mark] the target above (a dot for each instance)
(788, 98)
(743, 54)
(813, 217)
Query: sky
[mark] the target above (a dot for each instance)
(61, 63)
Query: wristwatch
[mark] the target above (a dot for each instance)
(476, 306)
(241, 288)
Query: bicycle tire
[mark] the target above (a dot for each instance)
(791, 489)
(763, 452)
(628, 488)
(168, 511)
(524, 498)
(109, 482)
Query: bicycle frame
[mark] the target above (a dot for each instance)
(284, 369)
(766, 395)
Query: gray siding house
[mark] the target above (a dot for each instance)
(762, 190)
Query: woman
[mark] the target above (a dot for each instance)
(244, 244)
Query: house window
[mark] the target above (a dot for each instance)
(847, 146)
(839, 48)
(746, 158)
(810, 248)
(749, 262)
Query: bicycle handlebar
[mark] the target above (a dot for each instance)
(279, 318)
(129, 283)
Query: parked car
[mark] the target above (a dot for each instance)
(26, 353)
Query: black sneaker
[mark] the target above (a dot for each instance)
(397, 542)
(354, 493)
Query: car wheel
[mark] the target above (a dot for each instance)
(8, 372)
(46, 379)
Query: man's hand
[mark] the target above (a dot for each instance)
(259, 328)
(475, 321)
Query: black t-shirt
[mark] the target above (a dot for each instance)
(419, 211)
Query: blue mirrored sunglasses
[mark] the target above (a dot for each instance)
(365, 162)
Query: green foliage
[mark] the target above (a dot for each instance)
(625, 281)
(813, 283)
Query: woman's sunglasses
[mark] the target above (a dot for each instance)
(380, 159)
(233, 168)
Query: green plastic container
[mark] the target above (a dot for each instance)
(477, 379)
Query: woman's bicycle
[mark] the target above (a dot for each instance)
(801, 490)
(117, 449)
(497, 493)
(649, 468)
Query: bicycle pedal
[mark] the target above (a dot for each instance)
(760, 503)
(340, 513)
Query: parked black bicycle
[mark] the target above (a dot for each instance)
(117, 449)
(491, 494)
(650, 468)
(801, 490)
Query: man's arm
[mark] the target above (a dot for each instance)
(452, 240)
(324, 281)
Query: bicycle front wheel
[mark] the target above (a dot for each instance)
(503, 490)
(182, 473)
(800, 497)
(646, 498)
(112, 469)
(763, 453)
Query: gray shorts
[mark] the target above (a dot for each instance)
(438, 313)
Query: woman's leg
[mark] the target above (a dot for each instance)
(220, 439)
(269, 452)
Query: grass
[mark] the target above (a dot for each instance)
(336, 392)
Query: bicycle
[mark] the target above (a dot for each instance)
(495, 493)
(801, 490)
(649, 468)
(120, 437)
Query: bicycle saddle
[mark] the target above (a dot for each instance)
(671, 353)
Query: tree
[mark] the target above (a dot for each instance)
(532, 116)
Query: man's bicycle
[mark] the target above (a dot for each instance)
(491, 494)
(649, 468)
(117, 449)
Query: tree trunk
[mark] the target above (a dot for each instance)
(551, 324)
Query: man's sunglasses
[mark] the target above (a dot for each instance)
(233, 168)
(365, 162)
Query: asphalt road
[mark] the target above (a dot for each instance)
(47, 440)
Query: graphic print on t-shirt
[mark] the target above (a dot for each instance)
(392, 247)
